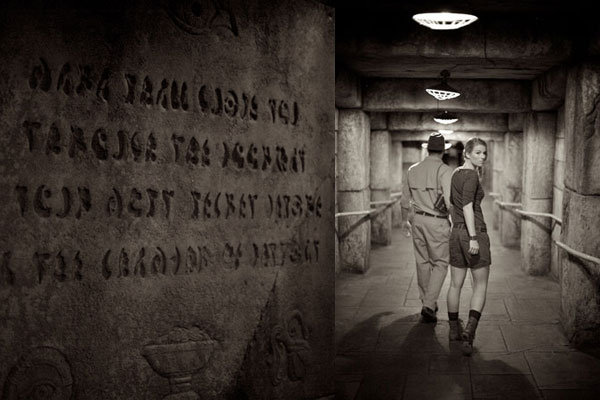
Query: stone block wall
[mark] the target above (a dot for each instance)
(167, 199)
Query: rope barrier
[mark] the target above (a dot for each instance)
(494, 194)
(506, 204)
(577, 253)
(396, 194)
(382, 202)
(346, 213)
(538, 214)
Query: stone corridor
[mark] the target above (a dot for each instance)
(383, 351)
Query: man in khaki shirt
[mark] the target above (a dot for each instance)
(430, 228)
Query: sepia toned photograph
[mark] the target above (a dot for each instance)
(299, 199)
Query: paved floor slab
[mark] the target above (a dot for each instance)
(385, 352)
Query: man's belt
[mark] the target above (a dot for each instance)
(431, 215)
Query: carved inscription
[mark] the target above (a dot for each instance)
(58, 266)
(103, 144)
(76, 80)
(140, 203)
(46, 202)
(160, 93)
(201, 16)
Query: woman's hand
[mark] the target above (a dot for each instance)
(473, 247)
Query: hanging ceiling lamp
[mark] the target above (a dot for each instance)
(444, 20)
(446, 131)
(445, 118)
(443, 91)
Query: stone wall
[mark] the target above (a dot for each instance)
(167, 200)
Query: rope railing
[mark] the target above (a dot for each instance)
(494, 194)
(396, 194)
(507, 204)
(540, 214)
(384, 203)
(577, 253)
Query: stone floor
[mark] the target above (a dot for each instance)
(521, 352)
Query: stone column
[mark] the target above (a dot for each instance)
(396, 181)
(354, 232)
(581, 204)
(381, 224)
(497, 179)
(558, 188)
(510, 228)
(538, 166)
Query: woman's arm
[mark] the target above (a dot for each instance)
(470, 223)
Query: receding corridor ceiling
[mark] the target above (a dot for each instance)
(511, 39)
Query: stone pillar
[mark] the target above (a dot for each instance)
(354, 232)
(337, 239)
(558, 189)
(497, 179)
(381, 224)
(488, 167)
(538, 166)
(580, 297)
(167, 200)
(396, 181)
(510, 228)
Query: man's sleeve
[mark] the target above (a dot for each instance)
(446, 180)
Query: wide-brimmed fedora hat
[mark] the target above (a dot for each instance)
(436, 142)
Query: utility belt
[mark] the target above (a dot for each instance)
(461, 225)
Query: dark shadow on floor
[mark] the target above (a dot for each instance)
(412, 360)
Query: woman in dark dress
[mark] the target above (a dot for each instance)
(469, 243)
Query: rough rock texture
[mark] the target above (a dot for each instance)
(581, 201)
(538, 166)
(582, 119)
(167, 200)
(515, 122)
(396, 181)
(353, 150)
(497, 179)
(558, 188)
(510, 227)
(354, 232)
(378, 120)
(548, 90)
(379, 151)
(348, 93)
(580, 279)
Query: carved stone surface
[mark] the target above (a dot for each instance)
(580, 279)
(165, 164)
(42, 373)
(510, 227)
(353, 150)
(354, 232)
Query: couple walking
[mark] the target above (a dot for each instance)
(430, 189)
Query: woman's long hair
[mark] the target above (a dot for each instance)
(469, 146)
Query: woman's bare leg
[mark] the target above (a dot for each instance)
(457, 279)
(480, 283)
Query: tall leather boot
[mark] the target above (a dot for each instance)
(468, 335)
(456, 329)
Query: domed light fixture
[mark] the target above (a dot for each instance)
(443, 91)
(445, 118)
(444, 20)
(446, 131)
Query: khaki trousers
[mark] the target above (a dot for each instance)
(431, 237)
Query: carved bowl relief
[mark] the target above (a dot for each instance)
(290, 349)
(42, 374)
(179, 355)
